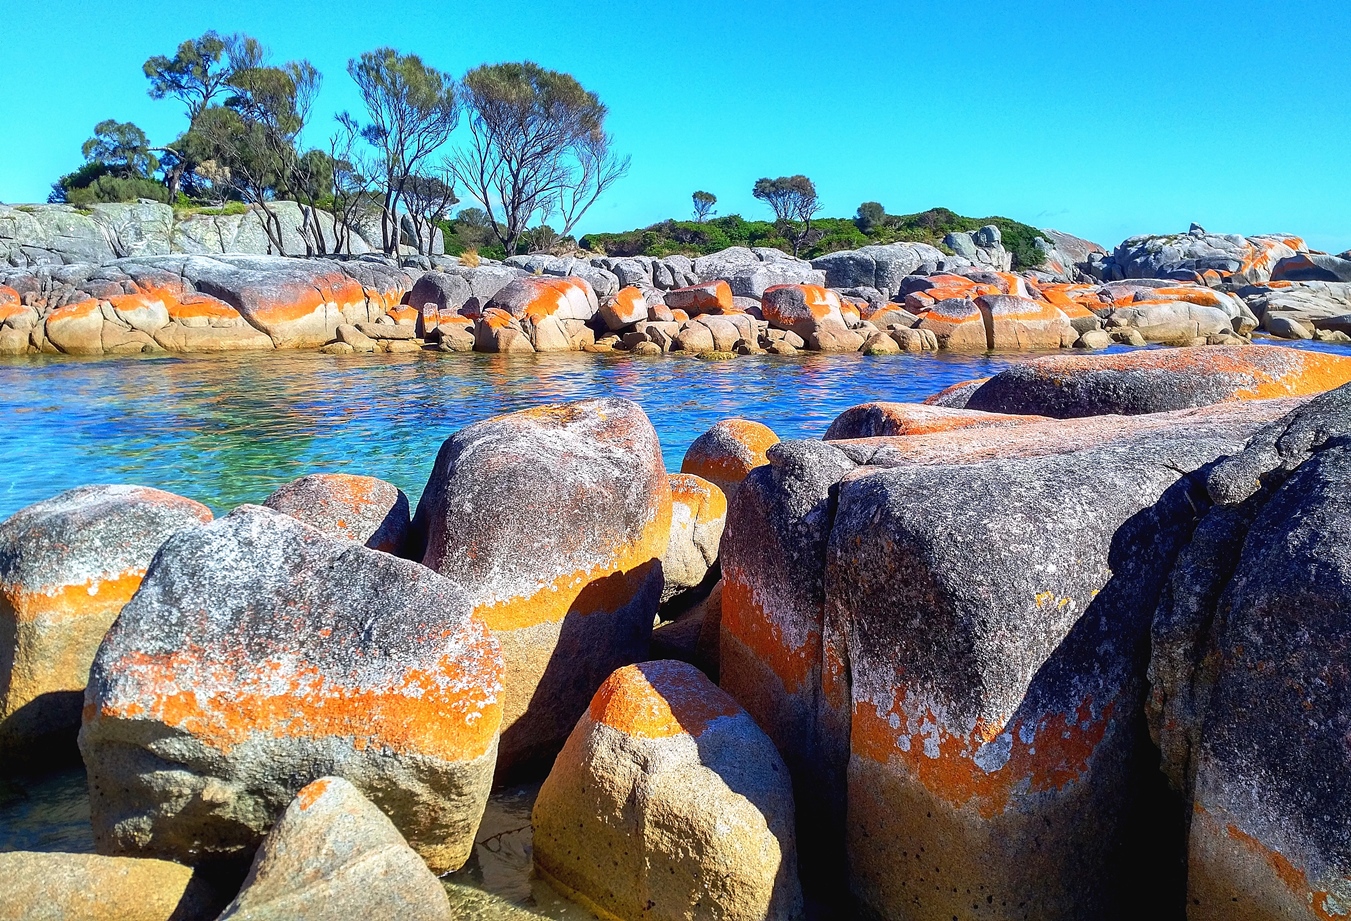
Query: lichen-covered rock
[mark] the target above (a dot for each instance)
(260, 654)
(871, 420)
(555, 520)
(773, 594)
(883, 267)
(1190, 256)
(958, 323)
(628, 307)
(1023, 324)
(67, 566)
(84, 887)
(727, 452)
(800, 308)
(1252, 653)
(955, 396)
(995, 727)
(710, 297)
(534, 297)
(359, 508)
(333, 856)
(669, 803)
(1157, 381)
(698, 515)
(1313, 267)
(498, 332)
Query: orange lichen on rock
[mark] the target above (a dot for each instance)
(51, 603)
(870, 420)
(820, 302)
(453, 713)
(76, 311)
(729, 451)
(605, 587)
(710, 297)
(659, 700)
(403, 314)
(706, 499)
(960, 768)
(750, 624)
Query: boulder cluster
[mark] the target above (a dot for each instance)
(1069, 642)
(1192, 289)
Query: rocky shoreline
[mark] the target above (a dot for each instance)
(1068, 642)
(1186, 289)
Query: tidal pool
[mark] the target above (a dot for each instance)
(230, 429)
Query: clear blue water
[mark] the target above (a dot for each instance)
(230, 429)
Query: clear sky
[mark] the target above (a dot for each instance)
(1102, 118)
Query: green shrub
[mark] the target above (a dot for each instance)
(110, 189)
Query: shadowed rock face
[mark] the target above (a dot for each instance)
(67, 566)
(333, 856)
(555, 520)
(1251, 675)
(956, 634)
(1158, 381)
(668, 802)
(260, 654)
(360, 508)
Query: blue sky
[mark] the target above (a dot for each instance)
(1103, 119)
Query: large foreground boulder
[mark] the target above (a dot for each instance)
(555, 520)
(1252, 675)
(359, 508)
(333, 856)
(67, 566)
(668, 803)
(259, 655)
(1066, 386)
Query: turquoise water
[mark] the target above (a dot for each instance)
(225, 430)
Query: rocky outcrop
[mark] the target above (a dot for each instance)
(727, 452)
(668, 802)
(333, 856)
(259, 655)
(883, 267)
(84, 887)
(67, 567)
(983, 247)
(1067, 257)
(32, 235)
(872, 420)
(1157, 381)
(1198, 256)
(197, 303)
(359, 508)
(555, 520)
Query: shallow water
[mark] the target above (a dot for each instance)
(52, 814)
(230, 429)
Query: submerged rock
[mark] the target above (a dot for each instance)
(259, 655)
(555, 520)
(668, 802)
(359, 508)
(333, 856)
(67, 566)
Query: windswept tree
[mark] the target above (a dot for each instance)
(412, 108)
(352, 180)
(537, 148)
(703, 205)
(123, 148)
(254, 136)
(201, 69)
(793, 200)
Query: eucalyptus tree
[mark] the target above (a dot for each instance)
(537, 147)
(201, 69)
(793, 200)
(123, 148)
(413, 109)
(703, 205)
(254, 136)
